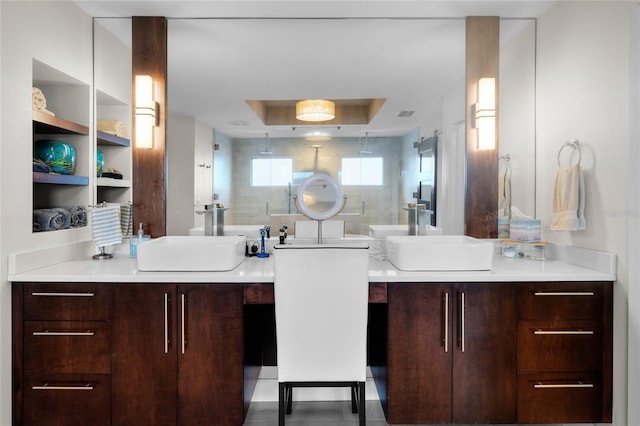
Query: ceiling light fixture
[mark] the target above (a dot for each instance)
(315, 110)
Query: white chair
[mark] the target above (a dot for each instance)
(321, 305)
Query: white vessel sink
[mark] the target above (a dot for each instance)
(249, 231)
(439, 253)
(383, 231)
(193, 253)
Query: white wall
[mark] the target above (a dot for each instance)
(633, 217)
(583, 93)
(60, 35)
(517, 114)
(180, 151)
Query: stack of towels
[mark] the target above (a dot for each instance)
(568, 200)
(57, 218)
(113, 127)
(39, 102)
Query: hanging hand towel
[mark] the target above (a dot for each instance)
(504, 195)
(568, 200)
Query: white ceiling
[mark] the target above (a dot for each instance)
(409, 52)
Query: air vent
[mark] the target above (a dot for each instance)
(240, 123)
(405, 114)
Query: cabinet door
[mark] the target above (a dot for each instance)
(210, 355)
(419, 353)
(144, 365)
(484, 359)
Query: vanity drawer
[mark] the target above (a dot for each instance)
(67, 399)
(551, 301)
(67, 346)
(559, 346)
(559, 398)
(67, 302)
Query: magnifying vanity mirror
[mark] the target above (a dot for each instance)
(320, 197)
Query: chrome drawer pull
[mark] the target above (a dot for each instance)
(63, 333)
(563, 332)
(564, 293)
(166, 323)
(446, 322)
(184, 339)
(46, 386)
(64, 294)
(462, 318)
(563, 385)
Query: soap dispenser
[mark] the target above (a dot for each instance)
(137, 239)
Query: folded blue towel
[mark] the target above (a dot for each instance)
(78, 217)
(51, 219)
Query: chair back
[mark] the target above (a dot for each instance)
(321, 306)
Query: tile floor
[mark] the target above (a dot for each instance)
(315, 413)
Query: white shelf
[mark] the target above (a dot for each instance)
(113, 183)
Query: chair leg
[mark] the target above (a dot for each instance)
(354, 398)
(281, 403)
(362, 399)
(289, 393)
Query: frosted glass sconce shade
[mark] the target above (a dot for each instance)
(484, 114)
(146, 111)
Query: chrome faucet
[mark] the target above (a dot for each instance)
(212, 222)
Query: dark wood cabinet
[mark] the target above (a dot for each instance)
(565, 352)
(451, 353)
(144, 368)
(61, 354)
(177, 354)
(484, 359)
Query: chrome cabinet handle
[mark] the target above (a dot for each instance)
(446, 322)
(562, 385)
(54, 294)
(184, 340)
(564, 293)
(462, 321)
(63, 333)
(563, 332)
(46, 386)
(166, 323)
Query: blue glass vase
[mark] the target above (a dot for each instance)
(99, 163)
(58, 155)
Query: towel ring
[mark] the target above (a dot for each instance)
(575, 145)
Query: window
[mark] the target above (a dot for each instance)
(362, 171)
(271, 171)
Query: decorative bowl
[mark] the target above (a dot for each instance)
(58, 155)
(99, 163)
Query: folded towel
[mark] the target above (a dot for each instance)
(568, 200)
(113, 127)
(52, 219)
(78, 216)
(39, 102)
(504, 195)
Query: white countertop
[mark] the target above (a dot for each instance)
(123, 269)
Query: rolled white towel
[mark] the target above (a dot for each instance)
(39, 102)
(113, 127)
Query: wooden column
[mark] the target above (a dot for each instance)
(482, 60)
(149, 57)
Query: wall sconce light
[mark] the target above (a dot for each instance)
(147, 111)
(315, 110)
(483, 114)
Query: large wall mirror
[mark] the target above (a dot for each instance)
(225, 75)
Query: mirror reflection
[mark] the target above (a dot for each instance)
(416, 66)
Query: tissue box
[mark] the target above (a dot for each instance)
(524, 229)
(524, 250)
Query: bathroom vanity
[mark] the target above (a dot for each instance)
(99, 342)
